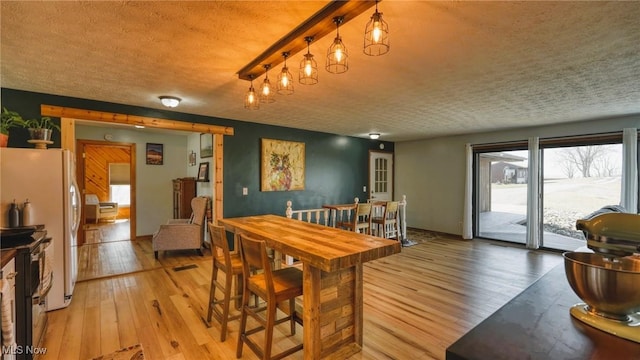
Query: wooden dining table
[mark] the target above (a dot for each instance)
(332, 277)
(339, 209)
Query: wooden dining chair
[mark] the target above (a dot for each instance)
(387, 225)
(272, 286)
(231, 265)
(361, 220)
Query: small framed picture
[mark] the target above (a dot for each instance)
(154, 154)
(192, 158)
(206, 145)
(203, 172)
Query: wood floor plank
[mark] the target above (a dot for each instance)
(416, 303)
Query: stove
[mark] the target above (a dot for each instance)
(33, 281)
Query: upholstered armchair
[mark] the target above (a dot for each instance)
(96, 209)
(183, 234)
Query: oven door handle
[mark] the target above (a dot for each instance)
(39, 299)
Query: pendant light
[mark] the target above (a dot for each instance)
(266, 91)
(308, 74)
(337, 54)
(251, 100)
(285, 79)
(376, 35)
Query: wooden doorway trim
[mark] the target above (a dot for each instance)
(69, 115)
(124, 119)
(81, 176)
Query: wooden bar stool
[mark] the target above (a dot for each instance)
(231, 265)
(272, 286)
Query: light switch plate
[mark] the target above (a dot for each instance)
(245, 191)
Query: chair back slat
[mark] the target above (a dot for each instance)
(255, 258)
(219, 242)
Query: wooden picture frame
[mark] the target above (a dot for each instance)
(282, 165)
(154, 154)
(206, 145)
(203, 172)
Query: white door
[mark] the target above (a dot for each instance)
(380, 176)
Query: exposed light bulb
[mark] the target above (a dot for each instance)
(338, 53)
(377, 32)
(308, 68)
(285, 78)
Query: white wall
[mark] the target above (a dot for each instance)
(154, 189)
(431, 172)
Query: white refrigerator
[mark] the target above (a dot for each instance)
(47, 179)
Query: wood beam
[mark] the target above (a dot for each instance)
(66, 112)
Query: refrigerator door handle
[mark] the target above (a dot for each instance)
(78, 209)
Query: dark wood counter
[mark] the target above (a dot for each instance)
(537, 324)
(7, 255)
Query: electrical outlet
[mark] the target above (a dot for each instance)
(245, 191)
(364, 188)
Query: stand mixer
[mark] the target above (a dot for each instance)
(608, 280)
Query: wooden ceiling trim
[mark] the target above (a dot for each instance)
(101, 116)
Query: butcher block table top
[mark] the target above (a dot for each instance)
(323, 247)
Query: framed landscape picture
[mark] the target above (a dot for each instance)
(154, 154)
(206, 145)
(282, 165)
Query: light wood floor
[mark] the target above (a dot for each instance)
(416, 303)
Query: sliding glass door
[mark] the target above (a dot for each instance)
(515, 199)
(577, 180)
(501, 201)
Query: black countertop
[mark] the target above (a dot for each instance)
(537, 324)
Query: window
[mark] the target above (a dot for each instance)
(120, 183)
(120, 194)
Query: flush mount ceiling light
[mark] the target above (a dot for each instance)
(376, 35)
(308, 67)
(266, 91)
(285, 79)
(170, 101)
(374, 135)
(337, 54)
(251, 101)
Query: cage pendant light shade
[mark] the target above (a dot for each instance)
(376, 35)
(337, 55)
(251, 100)
(267, 90)
(308, 74)
(285, 79)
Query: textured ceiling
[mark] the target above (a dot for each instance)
(453, 68)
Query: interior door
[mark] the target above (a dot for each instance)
(380, 176)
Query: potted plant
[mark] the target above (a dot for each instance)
(10, 119)
(40, 129)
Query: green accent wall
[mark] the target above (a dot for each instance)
(337, 167)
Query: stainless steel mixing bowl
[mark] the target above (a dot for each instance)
(609, 286)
